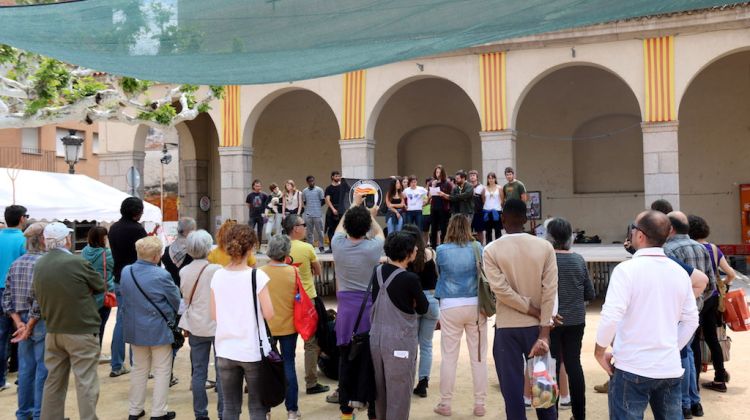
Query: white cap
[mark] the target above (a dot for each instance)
(56, 230)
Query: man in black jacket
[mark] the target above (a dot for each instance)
(122, 237)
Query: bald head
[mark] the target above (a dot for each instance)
(654, 226)
(679, 222)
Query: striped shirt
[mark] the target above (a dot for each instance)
(573, 288)
(692, 253)
(19, 294)
(313, 201)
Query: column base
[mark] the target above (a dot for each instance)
(357, 158)
(236, 178)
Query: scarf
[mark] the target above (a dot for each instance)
(178, 251)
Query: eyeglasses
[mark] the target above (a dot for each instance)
(636, 227)
(26, 216)
(302, 224)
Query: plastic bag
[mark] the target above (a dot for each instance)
(541, 371)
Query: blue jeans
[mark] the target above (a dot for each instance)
(629, 394)
(200, 355)
(427, 323)
(689, 385)
(394, 223)
(118, 338)
(414, 217)
(31, 372)
(288, 344)
(6, 326)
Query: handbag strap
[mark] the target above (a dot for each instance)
(257, 320)
(195, 286)
(170, 324)
(362, 307)
(104, 269)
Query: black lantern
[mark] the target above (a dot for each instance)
(72, 145)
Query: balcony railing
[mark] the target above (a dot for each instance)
(32, 159)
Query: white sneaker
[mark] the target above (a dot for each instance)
(4, 387)
(294, 415)
(527, 403)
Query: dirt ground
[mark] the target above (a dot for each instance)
(113, 399)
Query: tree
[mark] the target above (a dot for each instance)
(37, 90)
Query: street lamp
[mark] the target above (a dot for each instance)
(72, 145)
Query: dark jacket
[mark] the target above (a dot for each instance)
(142, 323)
(64, 285)
(123, 235)
(462, 199)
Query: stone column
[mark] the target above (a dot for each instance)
(114, 166)
(236, 178)
(358, 158)
(661, 174)
(194, 185)
(498, 152)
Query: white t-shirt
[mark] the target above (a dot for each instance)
(415, 198)
(236, 328)
(492, 199)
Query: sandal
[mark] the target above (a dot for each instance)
(715, 386)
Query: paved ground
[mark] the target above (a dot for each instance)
(113, 399)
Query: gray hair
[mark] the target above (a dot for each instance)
(559, 233)
(185, 225)
(51, 243)
(279, 247)
(290, 221)
(199, 244)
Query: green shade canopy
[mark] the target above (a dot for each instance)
(264, 41)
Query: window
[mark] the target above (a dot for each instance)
(95, 144)
(30, 140)
(60, 147)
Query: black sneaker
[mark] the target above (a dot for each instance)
(169, 416)
(686, 413)
(317, 389)
(122, 371)
(697, 410)
(715, 386)
(132, 417)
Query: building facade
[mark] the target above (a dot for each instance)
(601, 120)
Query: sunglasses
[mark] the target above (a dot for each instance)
(638, 228)
(26, 216)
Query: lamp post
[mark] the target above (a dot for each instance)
(72, 145)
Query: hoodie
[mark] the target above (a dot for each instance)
(95, 257)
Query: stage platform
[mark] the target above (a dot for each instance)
(600, 258)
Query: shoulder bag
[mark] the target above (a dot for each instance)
(272, 377)
(305, 314)
(720, 285)
(360, 342)
(487, 299)
(110, 299)
(179, 339)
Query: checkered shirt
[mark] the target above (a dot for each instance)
(19, 293)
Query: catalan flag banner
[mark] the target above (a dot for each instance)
(230, 117)
(658, 62)
(354, 105)
(492, 80)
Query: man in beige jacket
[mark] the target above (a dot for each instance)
(522, 272)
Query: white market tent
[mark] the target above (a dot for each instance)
(54, 196)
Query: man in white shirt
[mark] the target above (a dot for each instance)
(650, 314)
(416, 198)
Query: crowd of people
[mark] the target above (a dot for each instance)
(394, 288)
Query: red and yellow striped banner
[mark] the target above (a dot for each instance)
(230, 117)
(492, 87)
(658, 62)
(354, 105)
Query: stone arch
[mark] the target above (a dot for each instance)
(713, 155)
(371, 119)
(257, 108)
(702, 68)
(567, 124)
(423, 106)
(552, 69)
(295, 134)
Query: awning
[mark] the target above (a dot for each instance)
(226, 42)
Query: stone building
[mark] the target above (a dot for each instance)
(601, 120)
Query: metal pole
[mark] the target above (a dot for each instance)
(161, 191)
